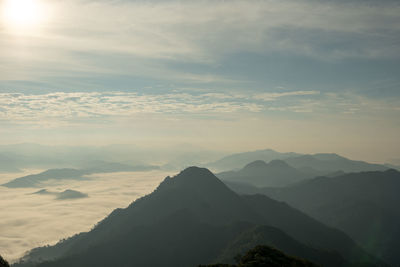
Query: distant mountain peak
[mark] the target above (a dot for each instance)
(328, 156)
(278, 163)
(256, 164)
(260, 164)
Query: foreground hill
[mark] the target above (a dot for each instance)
(266, 256)
(364, 205)
(194, 218)
(3, 262)
(276, 173)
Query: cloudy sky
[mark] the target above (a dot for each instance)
(295, 75)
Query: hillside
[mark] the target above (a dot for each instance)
(364, 205)
(3, 262)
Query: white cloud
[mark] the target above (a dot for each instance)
(60, 108)
(275, 96)
(32, 220)
(72, 106)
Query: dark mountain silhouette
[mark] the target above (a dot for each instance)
(66, 194)
(239, 160)
(266, 256)
(364, 205)
(36, 180)
(258, 173)
(3, 262)
(272, 236)
(194, 218)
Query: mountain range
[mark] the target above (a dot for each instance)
(313, 165)
(364, 205)
(36, 180)
(194, 218)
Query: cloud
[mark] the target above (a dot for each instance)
(63, 109)
(275, 96)
(32, 220)
(70, 107)
(141, 37)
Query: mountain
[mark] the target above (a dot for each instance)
(237, 161)
(391, 166)
(194, 218)
(272, 236)
(276, 173)
(330, 163)
(364, 205)
(3, 262)
(313, 165)
(66, 194)
(266, 256)
(36, 180)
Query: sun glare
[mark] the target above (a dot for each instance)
(23, 15)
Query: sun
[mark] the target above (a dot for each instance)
(23, 15)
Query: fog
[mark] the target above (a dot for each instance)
(31, 220)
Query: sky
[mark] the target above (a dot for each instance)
(298, 75)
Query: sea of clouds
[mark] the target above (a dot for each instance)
(31, 220)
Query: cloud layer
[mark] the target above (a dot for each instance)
(110, 106)
(31, 220)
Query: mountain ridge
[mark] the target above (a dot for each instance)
(361, 204)
(187, 211)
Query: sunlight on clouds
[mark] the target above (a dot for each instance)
(91, 107)
(24, 16)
